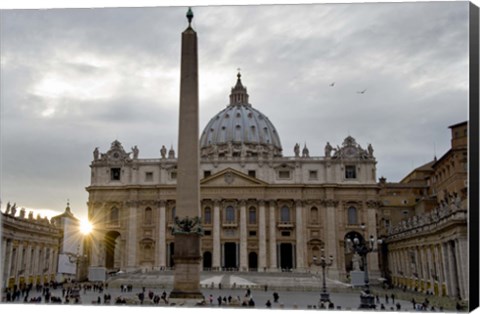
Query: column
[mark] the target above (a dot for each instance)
(162, 233)
(28, 259)
(452, 269)
(425, 275)
(299, 229)
(8, 261)
(216, 235)
(462, 266)
(331, 235)
(463, 242)
(430, 266)
(36, 257)
(440, 274)
(272, 237)
(262, 238)
(445, 264)
(55, 260)
(132, 236)
(243, 236)
(19, 260)
(373, 269)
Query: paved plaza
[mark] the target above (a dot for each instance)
(296, 291)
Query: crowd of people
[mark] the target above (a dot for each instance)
(71, 293)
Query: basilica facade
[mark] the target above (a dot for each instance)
(260, 210)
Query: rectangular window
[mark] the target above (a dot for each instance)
(173, 175)
(350, 172)
(207, 219)
(207, 173)
(148, 176)
(252, 233)
(207, 232)
(115, 174)
(284, 174)
(285, 233)
(252, 216)
(252, 173)
(313, 174)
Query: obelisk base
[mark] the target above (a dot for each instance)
(186, 282)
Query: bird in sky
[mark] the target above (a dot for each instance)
(333, 84)
(362, 92)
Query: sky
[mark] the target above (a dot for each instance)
(75, 79)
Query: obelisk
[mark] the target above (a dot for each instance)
(187, 226)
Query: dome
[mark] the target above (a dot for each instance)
(240, 129)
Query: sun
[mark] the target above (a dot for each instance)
(85, 226)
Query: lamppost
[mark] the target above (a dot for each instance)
(324, 295)
(367, 300)
(77, 259)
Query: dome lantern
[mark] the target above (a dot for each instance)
(238, 95)
(240, 130)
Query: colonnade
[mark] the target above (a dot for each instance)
(438, 267)
(28, 262)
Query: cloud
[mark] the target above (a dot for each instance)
(74, 79)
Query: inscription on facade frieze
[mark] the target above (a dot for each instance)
(232, 191)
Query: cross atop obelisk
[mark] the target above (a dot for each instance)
(187, 228)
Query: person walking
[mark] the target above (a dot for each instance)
(275, 297)
(268, 304)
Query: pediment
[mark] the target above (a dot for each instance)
(231, 177)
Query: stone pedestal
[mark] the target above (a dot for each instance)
(187, 259)
(357, 278)
(97, 274)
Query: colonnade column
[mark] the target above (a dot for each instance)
(440, 274)
(28, 260)
(8, 261)
(462, 266)
(216, 235)
(243, 236)
(19, 261)
(446, 271)
(4, 256)
(36, 258)
(272, 237)
(425, 270)
(132, 236)
(162, 254)
(299, 228)
(452, 269)
(262, 238)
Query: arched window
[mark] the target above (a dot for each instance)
(252, 215)
(285, 214)
(148, 215)
(229, 214)
(314, 215)
(352, 215)
(114, 215)
(207, 218)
